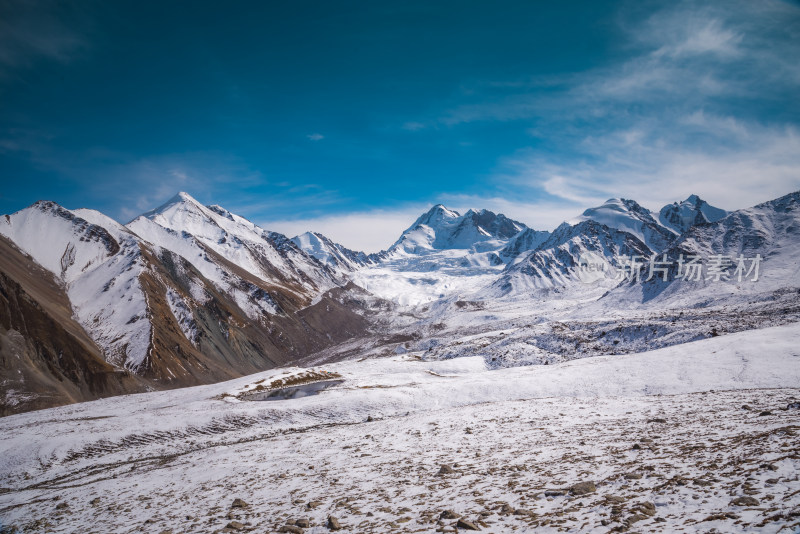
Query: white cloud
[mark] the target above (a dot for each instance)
(686, 54)
(135, 184)
(751, 164)
(315, 137)
(668, 120)
(368, 231)
(179, 175)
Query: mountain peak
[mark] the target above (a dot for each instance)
(442, 228)
(629, 216)
(680, 216)
(182, 197)
(621, 205)
(332, 254)
(440, 211)
(179, 200)
(45, 205)
(434, 217)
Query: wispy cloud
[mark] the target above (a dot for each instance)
(695, 37)
(748, 164)
(135, 184)
(690, 109)
(207, 176)
(696, 97)
(665, 122)
(413, 126)
(685, 54)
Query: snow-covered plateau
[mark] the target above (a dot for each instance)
(193, 372)
(697, 437)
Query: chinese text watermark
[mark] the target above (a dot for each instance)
(694, 268)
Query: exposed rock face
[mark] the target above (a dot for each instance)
(680, 216)
(744, 501)
(446, 470)
(528, 239)
(46, 358)
(628, 216)
(90, 308)
(767, 231)
(583, 488)
(333, 523)
(554, 262)
(466, 525)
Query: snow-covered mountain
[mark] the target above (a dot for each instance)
(503, 338)
(441, 228)
(554, 263)
(680, 216)
(46, 356)
(750, 251)
(476, 239)
(628, 216)
(442, 255)
(170, 306)
(188, 294)
(768, 230)
(334, 255)
(528, 239)
(100, 269)
(266, 255)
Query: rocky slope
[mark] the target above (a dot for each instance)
(748, 252)
(46, 357)
(555, 262)
(680, 216)
(628, 216)
(168, 307)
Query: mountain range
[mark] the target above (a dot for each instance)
(189, 294)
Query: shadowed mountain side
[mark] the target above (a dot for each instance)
(46, 358)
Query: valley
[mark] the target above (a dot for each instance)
(465, 378)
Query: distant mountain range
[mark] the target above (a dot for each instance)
(189, 294)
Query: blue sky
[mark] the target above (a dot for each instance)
(350, 118)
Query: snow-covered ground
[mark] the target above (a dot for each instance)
(414, 279)
(697, 437)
